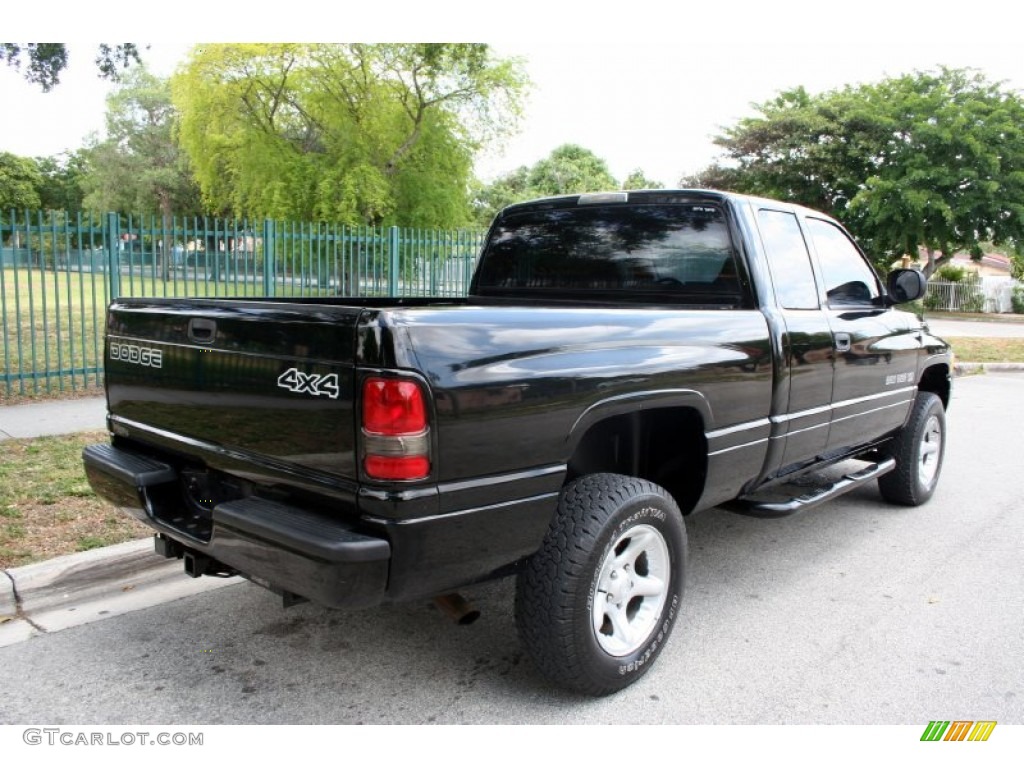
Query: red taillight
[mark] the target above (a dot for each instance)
(397, 467)
(396, 444)
(393, 407)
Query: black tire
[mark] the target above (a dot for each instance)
(918, 449)
(611, 537)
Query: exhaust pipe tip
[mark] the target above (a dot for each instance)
(458, 609)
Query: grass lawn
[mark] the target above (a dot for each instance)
(976, 350)
(46, 506)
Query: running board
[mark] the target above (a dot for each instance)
(749, 505)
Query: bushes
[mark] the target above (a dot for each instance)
(956, 290)
(952, 273)
(1017, 299)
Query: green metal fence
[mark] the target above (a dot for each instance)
(59, 272)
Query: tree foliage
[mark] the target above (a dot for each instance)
(45, 62)
(61, 181)
(19, 183)
(569, 169)
(717, 176)
(352, 133)
(139, 167)
(931, 161)
(637, 179)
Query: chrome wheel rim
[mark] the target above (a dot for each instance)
(929, 452)
(632, 586)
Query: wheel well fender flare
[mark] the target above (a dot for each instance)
(635, 402)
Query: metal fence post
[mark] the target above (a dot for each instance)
(269, 259)
(113, 258)
(394, 261)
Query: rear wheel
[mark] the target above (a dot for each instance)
(596, 604)
(918, 449)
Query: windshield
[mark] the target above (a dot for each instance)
(623, 252)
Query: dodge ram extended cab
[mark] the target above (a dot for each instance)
(622, 360)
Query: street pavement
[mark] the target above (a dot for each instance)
(854, 613)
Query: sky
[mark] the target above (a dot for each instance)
(643, 86)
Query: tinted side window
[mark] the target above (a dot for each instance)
(849, 279)
(789, 261)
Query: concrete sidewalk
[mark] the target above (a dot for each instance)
(52, 417)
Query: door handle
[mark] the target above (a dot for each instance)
(843, 342)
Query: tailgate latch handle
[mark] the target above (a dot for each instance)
(202, 330)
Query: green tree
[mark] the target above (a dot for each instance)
(638, 180)
(19, 183)
(352, 133)
(715, 176)
(45, 62)
(62, 177)
(490, 198)
(138, 167)
(926, 161)
(568, 169)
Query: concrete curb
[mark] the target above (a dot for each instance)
(8, 605)
(962, 369)
(86, 575)
(78, 589)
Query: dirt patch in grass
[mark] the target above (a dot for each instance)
(46, 505)
(988, 350)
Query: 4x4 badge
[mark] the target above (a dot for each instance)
(316, 384)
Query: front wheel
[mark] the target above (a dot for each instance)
(595, 605)
(918, 449)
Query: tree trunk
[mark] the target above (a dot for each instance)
(934, 263)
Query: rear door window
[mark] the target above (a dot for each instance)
(788, 260)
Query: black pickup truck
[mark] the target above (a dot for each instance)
(622, 360)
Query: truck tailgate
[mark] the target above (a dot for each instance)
(258, 378)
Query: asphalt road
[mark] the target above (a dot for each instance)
(855, 613)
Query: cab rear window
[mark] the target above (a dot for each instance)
(624, 252)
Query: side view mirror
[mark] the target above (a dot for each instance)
(906, 285)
